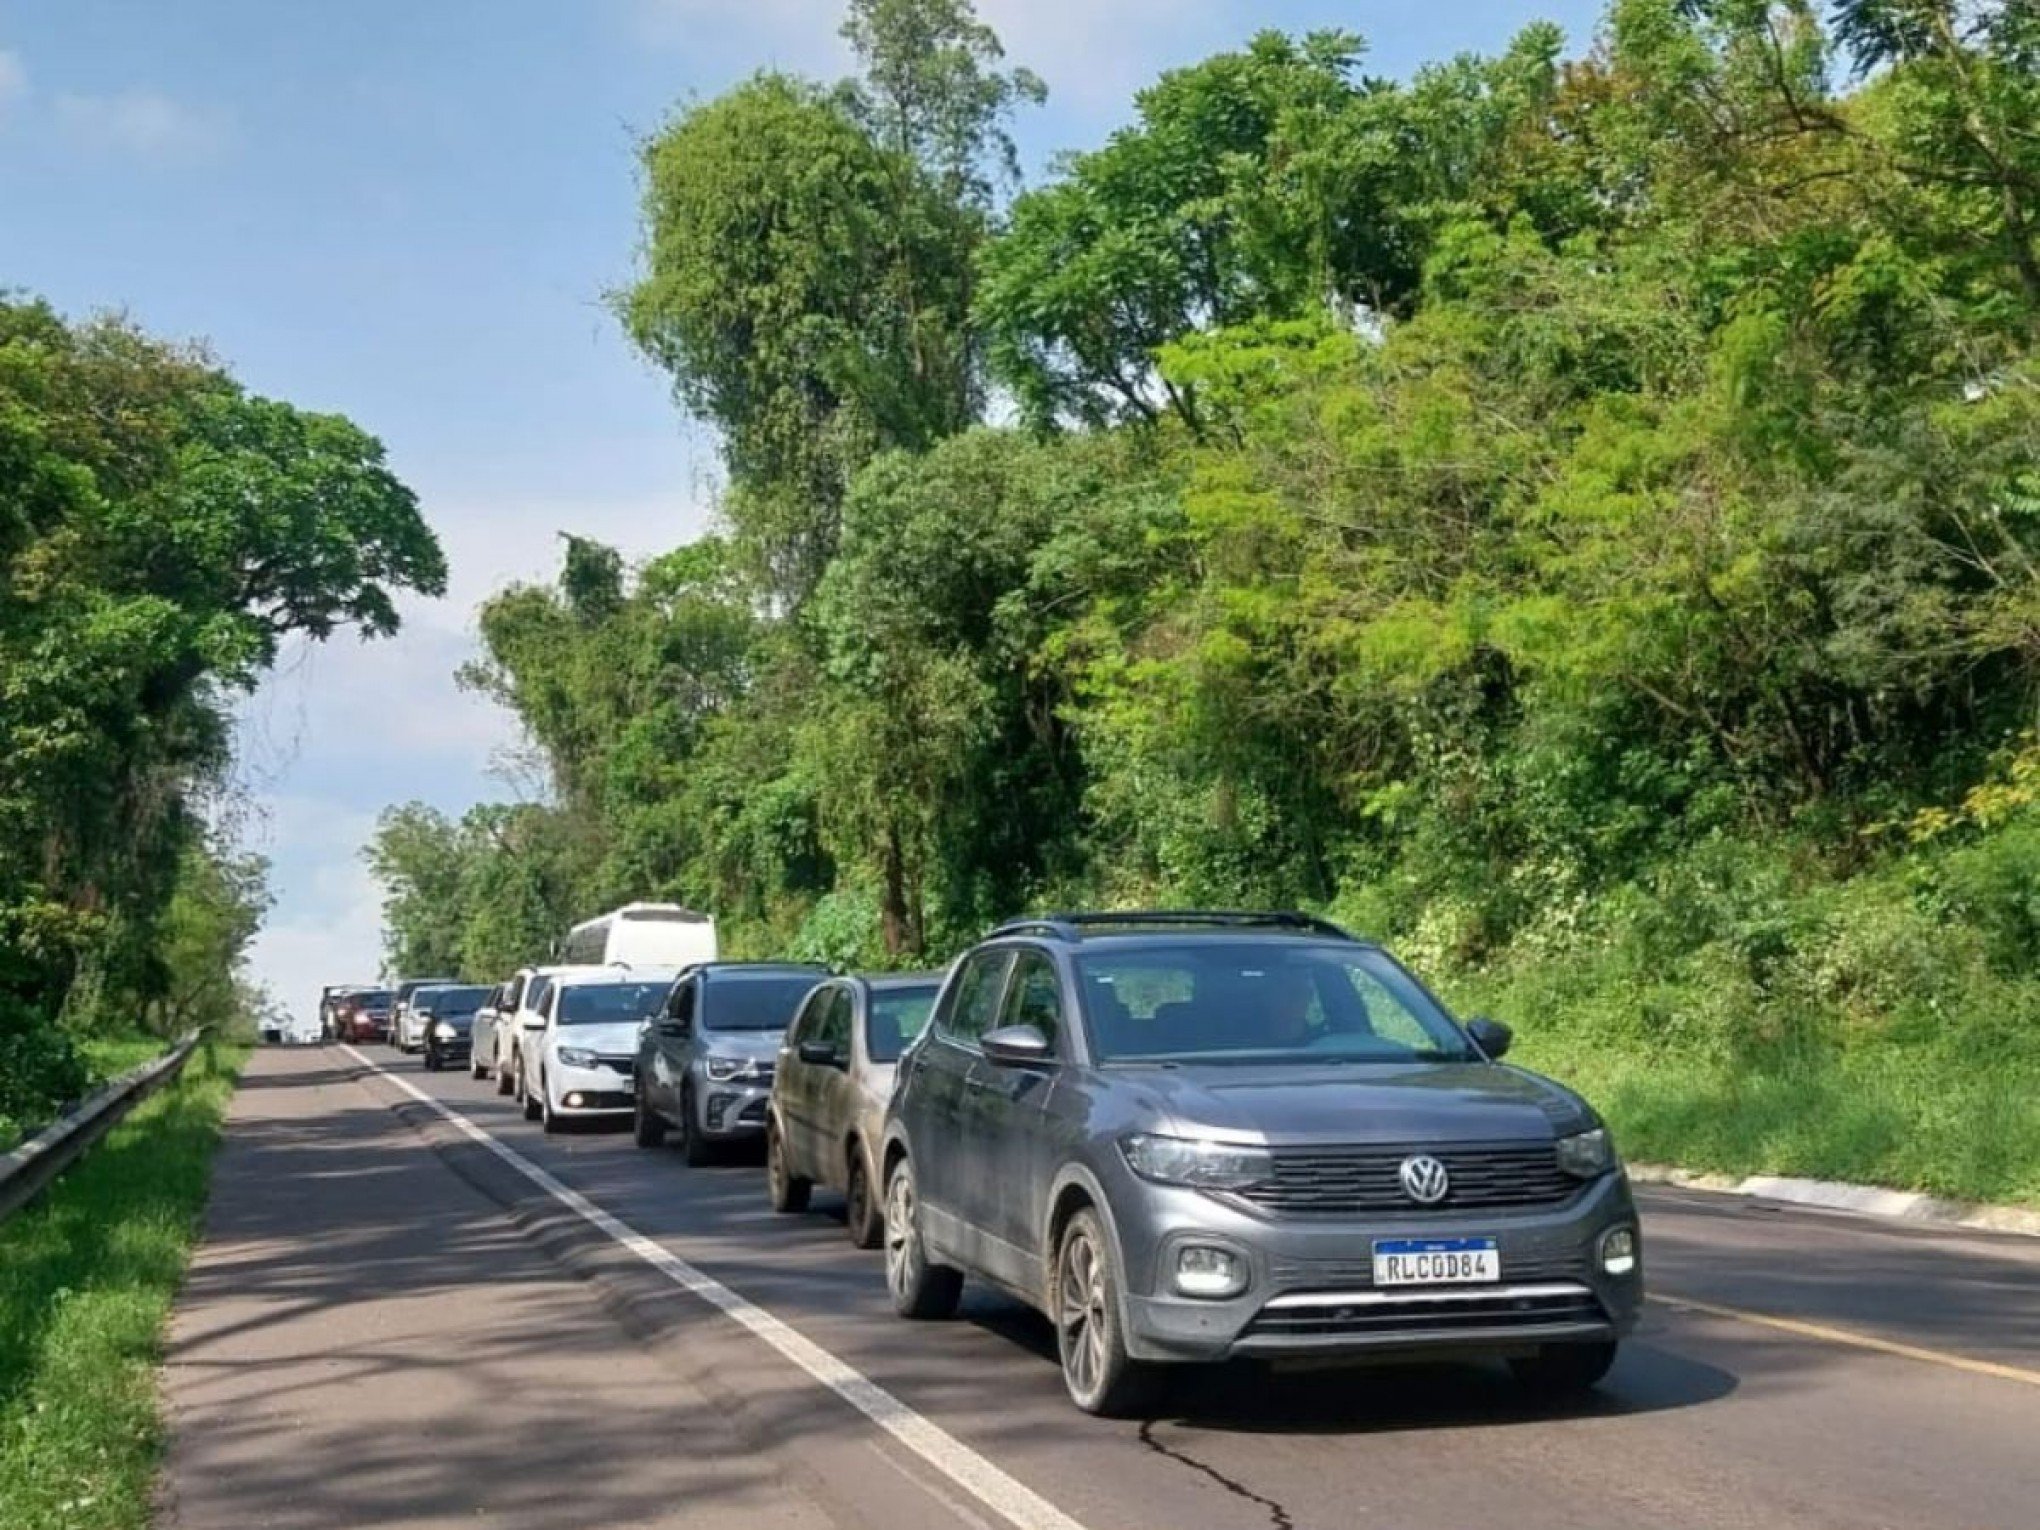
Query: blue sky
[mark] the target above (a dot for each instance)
(407, 211)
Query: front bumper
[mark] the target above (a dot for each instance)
(730, 1111)
(598, 1091)
(1310, 1289)
(450, 1046)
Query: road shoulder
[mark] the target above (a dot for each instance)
(364, 1339)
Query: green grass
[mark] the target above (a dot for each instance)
(87, 1276)
(110, 1056)
(1884, 1116)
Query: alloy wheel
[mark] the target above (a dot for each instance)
(1080, 1314)
(902, 1238)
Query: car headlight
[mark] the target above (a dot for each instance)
(1585, 1155)
(1200, 1165)
(726, 1070)
(445, 1031)
(577, 1057)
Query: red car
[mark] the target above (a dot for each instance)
(364, 1016)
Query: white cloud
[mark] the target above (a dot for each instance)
(13, 79)
(327, 926)
(343, 729)
(144, 122)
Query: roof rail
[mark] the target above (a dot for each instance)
(1072, 927)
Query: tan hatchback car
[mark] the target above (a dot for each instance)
(829, 1091)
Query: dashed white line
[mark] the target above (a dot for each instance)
(1006, 1496)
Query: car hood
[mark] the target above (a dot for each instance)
(1364, 1103)
(464, 1022)
(615, 1039)
(755, 1046)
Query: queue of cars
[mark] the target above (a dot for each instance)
(1182, 1136)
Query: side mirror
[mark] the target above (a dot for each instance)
(533, 1022)
(676, 1030)
(1015, 1046)
(821, 1053)
(1491, 1036)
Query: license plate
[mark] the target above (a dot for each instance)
(1436, 1261)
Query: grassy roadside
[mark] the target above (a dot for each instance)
(86, 1280)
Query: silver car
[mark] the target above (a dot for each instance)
(1186, 1137)
(826, 1117)
(704, 1062)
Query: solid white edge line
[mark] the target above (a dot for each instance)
(1005, 1495)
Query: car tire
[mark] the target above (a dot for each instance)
(864, 1218)
(525, 1097)
(505, 1084)
(433, 1061)
(477, 1069)
(1564, 1370)
(1099, 1374)
(788, 1192)
(647, 1126)
(550, 1120)
(696, 1149)
(919, 1289)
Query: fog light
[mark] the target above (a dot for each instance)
(1202, 1270)
(1618, 1251)
(574, 1100)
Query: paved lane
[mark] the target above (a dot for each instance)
(1706, 1421)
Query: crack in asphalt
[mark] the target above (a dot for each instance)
(1278, 1517)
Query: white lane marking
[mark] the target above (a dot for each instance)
(1006, 1496)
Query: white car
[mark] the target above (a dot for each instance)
(576, 1055)
(523, 996)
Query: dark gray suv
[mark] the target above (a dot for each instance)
(1188, 1137)
(704, 1062)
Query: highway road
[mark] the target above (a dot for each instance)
(546, 1308)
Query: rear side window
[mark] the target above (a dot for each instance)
(537, 994)
(807, 1026)
(978, 988)
(1035, 996)
(513, 993)
(835, 1026)
(897, 1017)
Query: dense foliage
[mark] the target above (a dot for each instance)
(162, 532)
(1575, 518)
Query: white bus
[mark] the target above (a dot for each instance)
(642, 935)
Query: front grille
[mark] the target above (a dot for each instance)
(1344, 1180)
(1386, 1313)
(1531, 1262)
(624, 1065)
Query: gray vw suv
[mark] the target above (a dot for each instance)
(704, 1062)
(1193, 1136)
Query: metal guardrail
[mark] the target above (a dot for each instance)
(29, 1168)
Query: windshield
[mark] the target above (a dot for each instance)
(1260, 1002)
(897, 1015)
(609, 1003)
(453, 1001)
(755, 1002)
(375, 998)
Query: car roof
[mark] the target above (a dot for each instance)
(1146, 925)
(760, 969)
(617, 973)
(877, 981)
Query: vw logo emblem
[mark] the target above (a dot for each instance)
(1424, 1179)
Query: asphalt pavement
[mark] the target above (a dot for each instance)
(413, 1308)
